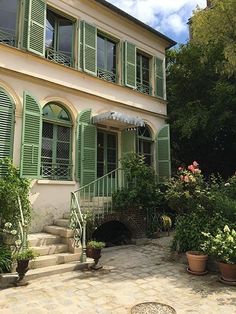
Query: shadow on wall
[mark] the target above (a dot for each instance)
(113, 233)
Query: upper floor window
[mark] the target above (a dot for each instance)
(56, 143)
(106, 58)
(145, 144)
(8, 21)
(143, 73)
(59, 38)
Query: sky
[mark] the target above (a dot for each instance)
(169, 17)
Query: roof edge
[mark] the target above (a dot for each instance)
(136, 21)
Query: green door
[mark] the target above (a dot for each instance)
(106, 160)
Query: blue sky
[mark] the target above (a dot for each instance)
(167, 16)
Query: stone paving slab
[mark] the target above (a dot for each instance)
(131, 275)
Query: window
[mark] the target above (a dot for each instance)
(145, 144)
(56, 143)
(106, 58)
(59, 39)
(143, 74)
(8, 21)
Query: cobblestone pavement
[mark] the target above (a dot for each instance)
(131, 275)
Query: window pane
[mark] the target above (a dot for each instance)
(50, 30)
(146, 147)
(8, 15)
(47, 149)
(101, 59)
(111, 141)
(111, 156)
(100, 43)
(111, 56)
(65, 36)
(63, 134)
(47, 130)
(145, 62)
(63, 151)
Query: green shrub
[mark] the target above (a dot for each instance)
(5, 259)
(95, 245)
(13, 186)
(25, 255)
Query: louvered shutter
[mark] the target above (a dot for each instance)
(159, 72)
(89, 48)
(163, 162)
(34, 26)
(31, 138)
(80, 48)
(129, 64)
(128, 142)
(86, 159)
(7, 114)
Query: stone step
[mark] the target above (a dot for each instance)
(50, 249)
(63, 222)
(59, 231)
(56, 269)
(54, 259)
(42, 239)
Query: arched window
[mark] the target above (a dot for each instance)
(145, 144)
(56, 143)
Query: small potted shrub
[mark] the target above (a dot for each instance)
(94, 251)
(23, 257)
(223, 247)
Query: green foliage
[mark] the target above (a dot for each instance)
(201, 108)
(25, 255)
(141, 190)
(12, 187)
(189, 228)
(95, 245)
(216, 26)
(221, 244)
(5, 259)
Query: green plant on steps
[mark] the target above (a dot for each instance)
(95, 245)
(27, 254)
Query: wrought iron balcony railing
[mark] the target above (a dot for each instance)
(57, 171)
(106, 75)
(144, 88)
(59, 57)
(7, 37)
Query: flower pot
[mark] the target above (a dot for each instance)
(197, 262)
(22, 268)
(95, 254)
(228, 271)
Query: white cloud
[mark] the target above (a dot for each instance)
(163, 15)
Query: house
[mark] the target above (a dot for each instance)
(81, 84)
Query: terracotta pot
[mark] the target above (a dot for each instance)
(228, 271)
(197, 261)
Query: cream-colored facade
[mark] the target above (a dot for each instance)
(47, 81)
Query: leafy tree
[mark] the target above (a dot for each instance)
(217, 26)
(202, 108)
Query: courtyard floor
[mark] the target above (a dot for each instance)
(131, 275)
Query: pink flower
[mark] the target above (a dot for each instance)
(197, 171)
(195, 164)
(186, 179)
(191, 168)
(180, 168)
(182, 178)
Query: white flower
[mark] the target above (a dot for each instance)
(14, 232)
(227, 184)
(226, 228)
(8, 225)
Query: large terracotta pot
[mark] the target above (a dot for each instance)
(197, 262)
(228, 271)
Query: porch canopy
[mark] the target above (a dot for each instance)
(118, 119)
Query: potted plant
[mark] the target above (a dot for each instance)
(94, 251)
(23, 257)
(197, 262)
(223, 247)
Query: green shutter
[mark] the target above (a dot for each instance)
(163, 154)
(34, 26)
(7, 114)
(90, 48)
(159, 77)
(128, 142)
(86, 152)
(80, 42)
(129, 64)
(31, 138)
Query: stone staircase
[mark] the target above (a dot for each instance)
(55, 249)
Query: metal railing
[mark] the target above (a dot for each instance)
(144, 88)
(57, 171)
(7, 37)
(106, 75)
(58, 57)
(93, 199)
